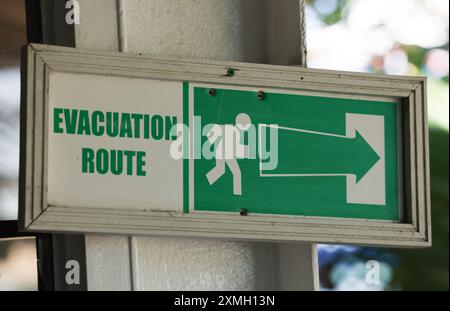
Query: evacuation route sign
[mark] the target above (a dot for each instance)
(301, 155)
(124, 144)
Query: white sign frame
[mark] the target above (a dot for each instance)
(35, 214)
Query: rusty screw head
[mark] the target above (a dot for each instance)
(243, 212)
(212, 92)
(260, 95)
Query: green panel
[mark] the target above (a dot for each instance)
(299, 152)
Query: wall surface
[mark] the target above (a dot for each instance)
(251, 31)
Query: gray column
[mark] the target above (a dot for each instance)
(237, 30)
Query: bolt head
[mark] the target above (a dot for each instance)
(230, 72)
(260, 95)
(243, 212)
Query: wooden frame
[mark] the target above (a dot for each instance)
(37, 215)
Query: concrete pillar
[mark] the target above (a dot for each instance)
(237, 30)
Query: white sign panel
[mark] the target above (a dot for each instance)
(106, 150)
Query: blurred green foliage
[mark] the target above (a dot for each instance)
(416, 55)
(427, 269)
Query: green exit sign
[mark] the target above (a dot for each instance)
(122, 143)
(332, 157)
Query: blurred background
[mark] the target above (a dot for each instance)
(406, 37)
(402, 37)
(18, 267)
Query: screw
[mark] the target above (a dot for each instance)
(230, 72)
(243, 212)
(212, 92)
(260, 95)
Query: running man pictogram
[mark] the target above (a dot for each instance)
(229, 148)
